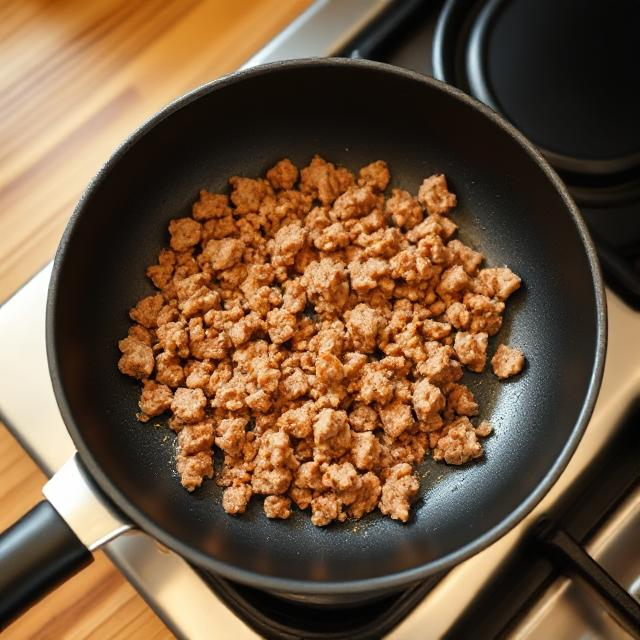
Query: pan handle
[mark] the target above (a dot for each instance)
(55, 539)
(36, 554)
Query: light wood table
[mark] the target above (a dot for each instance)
(76, 77)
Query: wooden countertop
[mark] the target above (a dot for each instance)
(75, 78)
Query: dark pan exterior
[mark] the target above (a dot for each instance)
(512, 207)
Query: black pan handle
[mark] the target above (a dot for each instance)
(36, 554)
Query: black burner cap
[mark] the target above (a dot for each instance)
(565, 72)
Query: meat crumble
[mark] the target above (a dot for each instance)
(315, 332)
(507, 361)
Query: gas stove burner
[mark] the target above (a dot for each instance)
(283, 618)
(565, 74)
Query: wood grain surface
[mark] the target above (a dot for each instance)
(76, 77)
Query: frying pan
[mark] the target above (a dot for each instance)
(512, 206)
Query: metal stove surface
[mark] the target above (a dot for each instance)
(171, 587)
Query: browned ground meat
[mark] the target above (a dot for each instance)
(398, 491)
(435, 196)
(277, 507)
(188, 405)
(315, 332)
(154, 400)
(236, 498)
(471, 349)
(137, 358)
(194, 469)
(507, 361)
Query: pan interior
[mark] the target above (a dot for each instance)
(350, 114)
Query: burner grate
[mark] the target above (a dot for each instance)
(280, 618)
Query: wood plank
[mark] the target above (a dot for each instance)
(96, 603)
(75, 78)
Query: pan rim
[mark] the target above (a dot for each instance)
(389, 581)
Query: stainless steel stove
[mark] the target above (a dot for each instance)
(500, 591)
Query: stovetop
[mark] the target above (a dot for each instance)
(195, 605)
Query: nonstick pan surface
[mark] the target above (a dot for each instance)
(512, 207)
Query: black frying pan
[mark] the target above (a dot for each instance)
(512, 206)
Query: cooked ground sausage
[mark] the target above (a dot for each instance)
(507, 361)
(317, 337)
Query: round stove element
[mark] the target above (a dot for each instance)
(565, 72)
